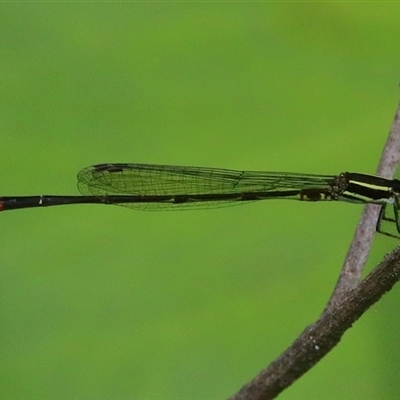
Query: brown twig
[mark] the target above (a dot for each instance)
(319, 338)
(350, 299)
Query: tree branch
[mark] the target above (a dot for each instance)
(322, 336)
(350, 299)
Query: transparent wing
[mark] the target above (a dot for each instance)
(183, 182)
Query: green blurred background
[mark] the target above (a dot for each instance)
(103, 302)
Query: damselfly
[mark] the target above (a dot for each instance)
(163, 187)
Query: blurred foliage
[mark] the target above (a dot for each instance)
(103, 302)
